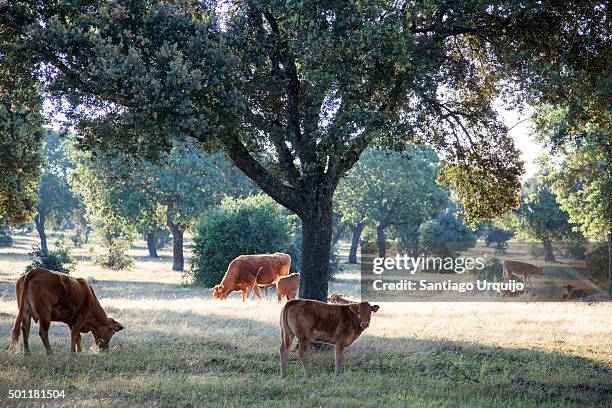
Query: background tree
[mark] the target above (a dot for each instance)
(540, 217)
(186, 183)
(21, 129)
(387, 190)
(5, 234)
(173, 191)
(496, 234)
(446, 236)
(294, 92)
(582, 179)
(56, 201)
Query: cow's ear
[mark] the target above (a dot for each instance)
(116, 325)
(354, 308)
(375, 308)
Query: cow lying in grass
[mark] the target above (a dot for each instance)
(313, 321)
(338, 299)
(47, 296)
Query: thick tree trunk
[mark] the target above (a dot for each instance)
(317, 230)
(177, 230)
(356, 230)
(549, 255)
(178, 261)
(380, 237)
(39, 220)
(151, 244)
(610, 264)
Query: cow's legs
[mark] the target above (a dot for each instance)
(339, 358)
(75, 341)
(25, 332)
(266, 291)
(304, 353)
(43, 332)
(256, 292)
(279, 296)
(245, 294)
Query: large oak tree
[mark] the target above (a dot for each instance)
(294, 91)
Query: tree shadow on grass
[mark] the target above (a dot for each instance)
(202, 339)
(192, 343)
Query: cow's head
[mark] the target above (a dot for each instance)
(292, 294)
(103, 333)
(363, 312)
(541, 270)
(218, 292)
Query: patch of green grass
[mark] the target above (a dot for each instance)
(210, 373)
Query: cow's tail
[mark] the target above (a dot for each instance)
(505, 273)
(23, 305)
(257, 275)
(286, 334)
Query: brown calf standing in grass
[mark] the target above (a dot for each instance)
(521, 269)
(47, 296)
(288, 286)
(314, 321)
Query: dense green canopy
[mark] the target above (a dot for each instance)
(21, 131)
(295, 91)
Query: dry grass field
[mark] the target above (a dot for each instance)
(182, 348)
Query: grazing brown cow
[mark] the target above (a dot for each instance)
(338, 299)
(522, 269)
(313, 321)
(288, 286)
(48, 296)
(252, 271)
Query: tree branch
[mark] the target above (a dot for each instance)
(283, 194)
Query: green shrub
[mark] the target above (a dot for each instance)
(575, 249)
(492, 271)
(59, 259)
(253, 225)
(115, 254)
(597, 262)
(536, 250)
(5, 237)
(498, 238)
(445, 236)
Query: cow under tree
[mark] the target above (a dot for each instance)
(313, 321)
(250, 272)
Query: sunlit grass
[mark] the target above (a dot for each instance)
(182, 348)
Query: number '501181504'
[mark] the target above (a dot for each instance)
(36, 393)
